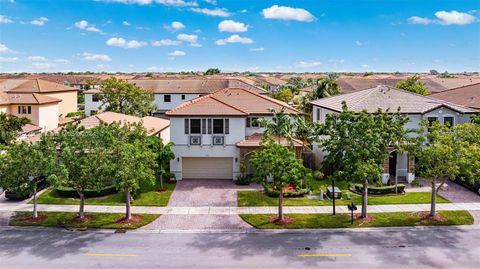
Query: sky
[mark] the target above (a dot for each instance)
(240, 35)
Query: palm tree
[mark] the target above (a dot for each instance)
(306, 131)
(279, 126)
(326, 87)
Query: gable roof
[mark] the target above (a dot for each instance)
(26, 99)
(231, 102)
(468, 96)
(385, 97)
(32, 86)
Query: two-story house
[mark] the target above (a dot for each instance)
(215, 133)
(170, 93)
(416, 107)
(44, 102)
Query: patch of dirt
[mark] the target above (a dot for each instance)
(135, 219)
(32, 220)
(286, 220)
(368, 219)
(78, 220)
(161, 190)
(425, 215)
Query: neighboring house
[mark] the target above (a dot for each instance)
(416, 107)
(468, 96)
(215, 133)
(154, 126)
(170, 93)
(42, 110)
(43, 89)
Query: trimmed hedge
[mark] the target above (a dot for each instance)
(71, 193)
(380, 190)
(275, 193)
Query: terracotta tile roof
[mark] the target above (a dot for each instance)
(187, 86)
(30, 128)
(30, 99)
(231, 102)
(468, 96)
(63, 121)
(32, 86)
(385, 97)
(255, 139)
(4, 99)
(152, 124)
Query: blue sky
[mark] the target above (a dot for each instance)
(239, 35)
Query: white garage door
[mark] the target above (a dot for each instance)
(213, 168)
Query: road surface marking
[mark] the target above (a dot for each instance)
(324, 255)
(109, 255)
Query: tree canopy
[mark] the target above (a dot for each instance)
(9, 127)
(212, 71)
(413, 84)
(123, 97)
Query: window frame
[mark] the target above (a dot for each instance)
(199, 126)
(222, 127)
(95, 98)
(167, 96)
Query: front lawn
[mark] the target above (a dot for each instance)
(96, 220)
(255, 198)
(392, 219)
(149, 197)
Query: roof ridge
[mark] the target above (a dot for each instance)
(35, 96)
(369, 92)
(273, 100)
(186, 104)
(456, 88)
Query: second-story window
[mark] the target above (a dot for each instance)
(431, 120)
(24, 110)
(253, 122)
(95, 98)
(167, 98)
(218, 125)
(448, 121)
(195, 126)
(183, 96)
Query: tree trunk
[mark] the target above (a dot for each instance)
(128, 214)
(81, 211)
(280, 205)
(161, 177)
(35, 212)
(434, 198)
(365, 198)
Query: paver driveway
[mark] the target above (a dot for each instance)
(200, 193)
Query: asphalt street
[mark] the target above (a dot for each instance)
(410, 248)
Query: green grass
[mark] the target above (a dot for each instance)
(149, 197)
(98, 220)
(255, 198)
(393, 219)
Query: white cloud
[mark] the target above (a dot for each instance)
(419, 20)
(257, 49)
(44, 65)
(232, 26)
(445, 18)
(8, 59)
(37, 59)
(122, 43)
(165, 42)
(152, 68)
(62, 61)
(87, 56)
(176, 3)
(177, 53)
(359, 43)
(303, 64)
(234, 39)
(188, 38)
(4, 19)
(176, 25)
(454, 17)
(287, 13)
(85, 25)
(365, 66)
(4, 48)
(126, 23)
(40, 21)
(218, 12)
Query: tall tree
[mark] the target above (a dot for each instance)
(123, 97)
(413, 84)
(356, 145)
(83, 160)
(279, 126)
(306, 131)
(23, 164)
(9, 127)
(280, 164)
(163, 154)
(326, 87)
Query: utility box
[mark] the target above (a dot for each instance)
(337, 192)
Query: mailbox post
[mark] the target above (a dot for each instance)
(352, 208)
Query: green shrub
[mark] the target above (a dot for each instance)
(267, 189)
(318, 175)
(242, 180)
(79, 113)
(71, 193)
(380, 190)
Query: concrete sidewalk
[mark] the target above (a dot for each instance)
(212, 210)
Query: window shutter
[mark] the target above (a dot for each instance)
(19, 110)
(318, 114)
(186, 126)
(209, 126)
(204, 126)
(248, 122)
(227, 126)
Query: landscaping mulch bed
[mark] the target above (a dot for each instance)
(286, 220)
(426, 215)
(135, 219)
(86, 218)
(32, 220)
